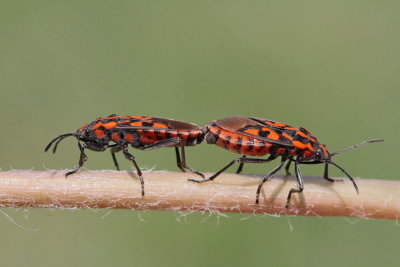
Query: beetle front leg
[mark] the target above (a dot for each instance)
(181, 162)
(114, 149)
(326, 176)
(82, 160)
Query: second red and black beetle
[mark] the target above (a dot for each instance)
(250, 136)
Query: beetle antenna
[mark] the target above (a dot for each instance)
(356, 146)
(58, 139)
(348, 175)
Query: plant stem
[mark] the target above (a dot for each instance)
(172, 191)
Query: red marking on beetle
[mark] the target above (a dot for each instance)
(99, 134)
(280, 150)
(115, 137)
(136, 124)
(299, 145)
(159, 125)
(129, 137)
(309, 146)
(162, 135)
(194, 134)
(183, 135)
(252, 131)
(97, 125)
(287, 136)
(110, 125)
(173, 134)
(149, 131)
(140, 117)
(324, 149)
(300, 133)
(272, 134)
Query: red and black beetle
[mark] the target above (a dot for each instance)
(258, 137)
(141, 132)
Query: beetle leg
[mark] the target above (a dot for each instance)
(114, 149)
(165, 143)
(181, 161)
(240, 168)
(268, 177)
(237, 160)
(299, 182)
(131, 158)
(82, 160)
(326, 176)
(178, 159)
(212, 177)
(287, 168)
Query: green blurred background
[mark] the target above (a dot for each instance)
(330, 66)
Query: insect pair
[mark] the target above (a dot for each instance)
(242, 135)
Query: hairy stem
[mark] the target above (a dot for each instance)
(172, 191)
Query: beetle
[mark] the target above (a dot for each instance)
(250, 136)
(141, 132)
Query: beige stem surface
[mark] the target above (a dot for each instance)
(172, 191)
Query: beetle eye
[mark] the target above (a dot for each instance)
(87, 132)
